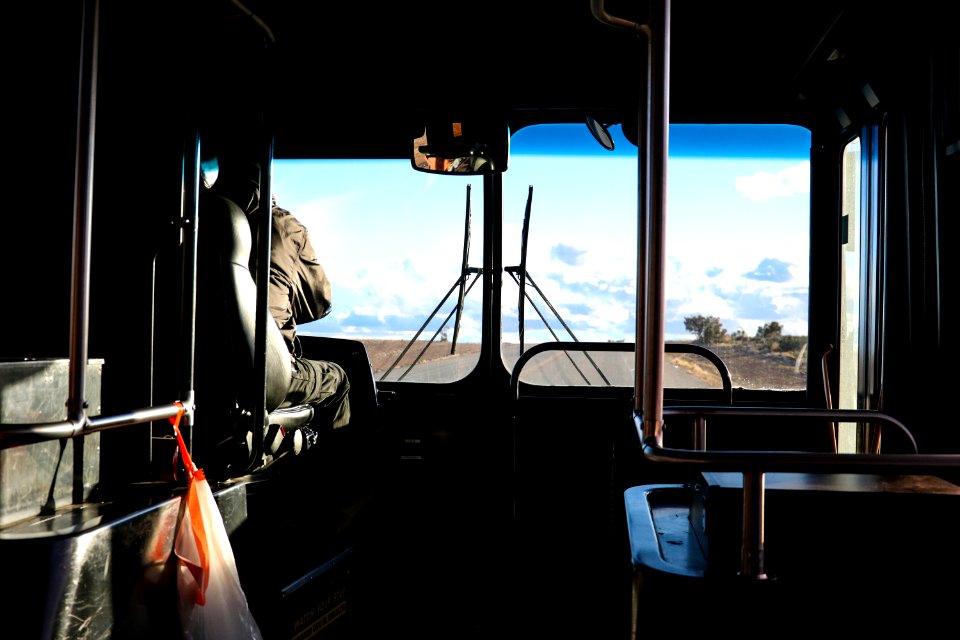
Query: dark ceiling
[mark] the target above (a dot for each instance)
(342, 70)
(349, 78)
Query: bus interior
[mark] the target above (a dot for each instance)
(754, 197)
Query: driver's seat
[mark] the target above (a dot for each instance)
(226, 379)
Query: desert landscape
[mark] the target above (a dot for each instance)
(749, 367)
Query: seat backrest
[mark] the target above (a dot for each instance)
(226, 378)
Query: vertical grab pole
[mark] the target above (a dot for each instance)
(264, 233)
(82, 217)
(264, 240)
(657, 124)
(751, 551)
(653, 128)
(190, 207)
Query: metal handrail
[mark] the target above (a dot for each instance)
(834, 415)
(805, 462)
(24, 433)
(671, 347)
(755, 464)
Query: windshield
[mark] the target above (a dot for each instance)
(399, 245)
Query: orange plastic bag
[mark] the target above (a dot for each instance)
(212, 603)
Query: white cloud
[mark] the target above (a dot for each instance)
(763, 185)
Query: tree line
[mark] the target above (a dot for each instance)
(708, 330)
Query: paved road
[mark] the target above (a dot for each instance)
(557, 368)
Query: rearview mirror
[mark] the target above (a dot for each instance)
(462, 148)
(600, 133)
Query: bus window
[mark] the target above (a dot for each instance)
(738, 248)
(392, 242)
(580, 259)
(737, 261)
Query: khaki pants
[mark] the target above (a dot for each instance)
(325, 386)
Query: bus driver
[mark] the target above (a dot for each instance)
(299, 292)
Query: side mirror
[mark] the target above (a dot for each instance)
(466, 148)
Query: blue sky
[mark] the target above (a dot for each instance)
(391, 238)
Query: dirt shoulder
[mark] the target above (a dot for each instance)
(749, 368)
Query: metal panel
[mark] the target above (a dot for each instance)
(40, 477)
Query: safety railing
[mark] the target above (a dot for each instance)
(700, 423)
(626, 347)
(754, 465)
